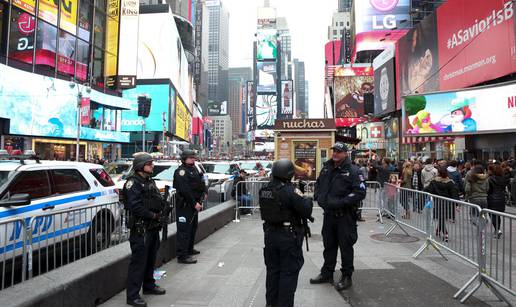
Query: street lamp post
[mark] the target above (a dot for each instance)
(79, 100)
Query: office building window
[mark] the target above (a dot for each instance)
(4, 19)
(21, 40)
(46, 36)
(65, 59)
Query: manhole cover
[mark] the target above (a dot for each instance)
(394, 238)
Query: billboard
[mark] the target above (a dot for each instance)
(251, 98)
(267, 44)
(112, 26)
(160, 52)
(217, 108)
(266, 77)
(418, 58)
(128, 43)
(349, 95)
(384, 83)
(464, 43)
(47, 108)
(159, 93)
(287, 104)
(305, 160)
(480, 110)
(266, 111)
(373, 15)
(182, 120)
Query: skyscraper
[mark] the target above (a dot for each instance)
(299, 88)
(286, 48)
(345, 5)
(238, 78)
(307, 98)
(218, 51)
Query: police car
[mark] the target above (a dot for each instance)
(37, 191)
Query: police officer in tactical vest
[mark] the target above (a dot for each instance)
(283, 210)
(339, 190)
(144, 203)
(190, 192)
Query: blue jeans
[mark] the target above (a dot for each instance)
(245, 200)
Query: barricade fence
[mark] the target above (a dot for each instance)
(35, 245)
(478, 236)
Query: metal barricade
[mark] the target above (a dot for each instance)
(247, 196)
(373, 200)
(405, 208)
(58, 238)
(13, 252)
(496, 256)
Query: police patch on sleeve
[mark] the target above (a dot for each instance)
(361, 177)
(129, 184)
(182, 172)
(298, 192)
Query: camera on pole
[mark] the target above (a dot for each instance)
(144, 106)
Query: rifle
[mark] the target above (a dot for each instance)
(166, 213)
(308, 233)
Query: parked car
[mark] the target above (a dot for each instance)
(220, 178)
(37, 191)
(117, 169)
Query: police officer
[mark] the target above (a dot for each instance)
(282, 209)
(190, 192)
(339, 190)
(145, 204)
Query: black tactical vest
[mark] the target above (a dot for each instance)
(272, 211)
(152, 198)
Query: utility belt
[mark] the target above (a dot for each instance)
(338, 213)
(283, 227)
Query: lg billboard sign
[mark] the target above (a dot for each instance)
(371, 15)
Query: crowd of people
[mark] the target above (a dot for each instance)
(487, 184)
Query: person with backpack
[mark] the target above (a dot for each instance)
(476, 188)
(496, 196)
(443, 186)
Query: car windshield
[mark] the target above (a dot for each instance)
(217, 168)
(3, 177)
(166, 174)
(160, 168)
(248, 165)
(117, 169)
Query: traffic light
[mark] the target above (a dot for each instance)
(144, 106)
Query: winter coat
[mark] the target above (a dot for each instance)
(383, 173)
(428, 173)
(454, 175)
(476, 190)
(444, 187)
(406, 179)
(496, 193)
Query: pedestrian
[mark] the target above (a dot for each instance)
(239, 192)
(144, 204)
(428, 173)
(454, 175)
(339, 190)
(496, 196)
(383, 170)
(475, 189)
(443, 186)
(417, 184)
(190, 192)
(283, 209)
(406, 183)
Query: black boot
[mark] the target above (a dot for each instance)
(157, 290)
(139, 302)
(344, 283)
(321, 279)
(186, 260)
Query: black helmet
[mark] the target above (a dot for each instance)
(140, 159)
(283, 169)
(188, 153)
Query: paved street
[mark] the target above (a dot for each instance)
(231, 272)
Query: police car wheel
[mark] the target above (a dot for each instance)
(99, 235)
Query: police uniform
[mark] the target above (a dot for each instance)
(144, 204)
(339, 190)
(190, 189)
(282, 210)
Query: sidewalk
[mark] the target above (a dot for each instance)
(231, 272)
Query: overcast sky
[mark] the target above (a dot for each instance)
(308, 21)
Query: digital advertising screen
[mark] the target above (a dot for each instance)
(287, 105)
(266, 111)
(349, 95)
(160, 95)
(267, 74)
(267, 44)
